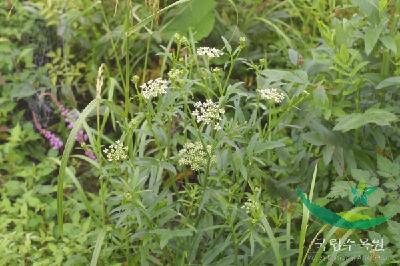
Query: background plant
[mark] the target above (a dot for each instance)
(280, 87)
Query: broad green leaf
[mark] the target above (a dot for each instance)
(198, 16)
(327, 153)
(351, 121)
(370, 8)
(389, 82)
(380, 117)
(320, 97)
(356, 120)
(313, 138)
(142, 23)
(293, 56)
(389, 42)
(371, 37)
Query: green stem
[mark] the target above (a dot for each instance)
(117, 60)
(147, 54)
(274, 242)
(127, 74)
(288, 229)
(231, 65)
(103, 200)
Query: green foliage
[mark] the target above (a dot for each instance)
(356, 120)
(197, 17)
(294, 86)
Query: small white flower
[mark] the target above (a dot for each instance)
(217, 71)
(252, 209)
(116, 152)
(272, 94)
(154, 88)
(180, 39)
(195, 155)
(209, 113)
(210, 52)
(249, 206)
(175, 74)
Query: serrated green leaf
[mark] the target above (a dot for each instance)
(360, 174)
(340, 189)
(15, 135)
(387, 168)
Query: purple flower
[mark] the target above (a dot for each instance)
(69, 117)
(55, 142)
(81, 137)
(90, 154)
(70, 125)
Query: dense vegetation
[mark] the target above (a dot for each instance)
(175, 132)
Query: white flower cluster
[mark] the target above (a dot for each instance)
(116, 152)
(210, 52)
(175, 74)
(181, 39)
(195, 155)
(250, 206)
(272, 94)
(253, 209)
(209, 113)
(154, 88)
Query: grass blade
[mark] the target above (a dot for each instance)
(146, 20)
(97, 248)
(79, 188)
(64, 160)
(305, 218)
(277, 30)
(274, 242)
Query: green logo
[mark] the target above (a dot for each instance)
(361, 194)
(347, 220)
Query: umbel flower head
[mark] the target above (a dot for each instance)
(175, 74)
(194, 155)
(154, 88)
(209, 113)
(116, 152)
(252, 209)
(180, 39)
(272, 94)
(210, 52)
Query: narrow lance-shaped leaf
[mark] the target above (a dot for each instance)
(67, 151)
